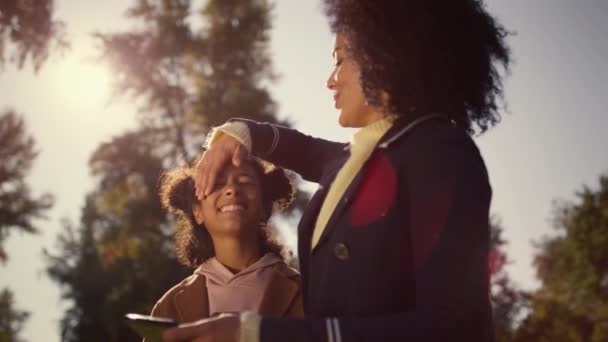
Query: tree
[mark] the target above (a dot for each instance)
(28, 28)
(18, 207)
(572, 302)
(507, 300)
(191, 80)
(120, 257)
(11, 320)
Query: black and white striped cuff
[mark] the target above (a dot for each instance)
(333, 330)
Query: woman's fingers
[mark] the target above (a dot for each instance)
(240, 154)
(211, 171)
(224, 150)
(199, 176)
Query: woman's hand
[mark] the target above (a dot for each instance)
(224, 328)
(220, 153)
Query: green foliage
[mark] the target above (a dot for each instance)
(194, 70)
(29, 30)
(120, 258)
(18, 208)
(11, 320)
(189, 70)
(550, 321)
(572, 303)
(507, 300)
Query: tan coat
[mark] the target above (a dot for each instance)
(188, 301)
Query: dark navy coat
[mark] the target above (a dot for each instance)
(404, 255)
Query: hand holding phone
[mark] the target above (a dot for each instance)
(149, 327)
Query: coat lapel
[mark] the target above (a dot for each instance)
(192, 302)
(398, 129)
(344, 202)
(280, 292)
(309, 218)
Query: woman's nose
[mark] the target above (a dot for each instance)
(331, 81)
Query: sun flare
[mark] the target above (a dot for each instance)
(83, 83)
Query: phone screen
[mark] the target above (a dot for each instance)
(148, 327)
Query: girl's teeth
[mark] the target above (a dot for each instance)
(231, 207)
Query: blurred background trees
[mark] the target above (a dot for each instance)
(189, 69)
(19, 208)
(572, 266)
(28, 33)
(507, 299)
(11, 319)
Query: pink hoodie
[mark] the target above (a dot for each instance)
(239, 292)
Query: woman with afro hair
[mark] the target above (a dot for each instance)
(393, 245)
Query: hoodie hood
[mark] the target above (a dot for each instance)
(214, 270)
(243, 291)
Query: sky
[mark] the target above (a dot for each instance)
(550, 143)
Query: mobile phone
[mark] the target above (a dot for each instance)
(148, 327)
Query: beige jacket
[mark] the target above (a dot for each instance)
(188, 301)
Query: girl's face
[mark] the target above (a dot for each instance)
(344, 82)
(234, 207)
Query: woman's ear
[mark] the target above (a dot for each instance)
(385, 98)
(197, 210)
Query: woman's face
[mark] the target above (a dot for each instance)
(348, 94)
(234, 207)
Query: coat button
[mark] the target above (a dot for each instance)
(341, 252)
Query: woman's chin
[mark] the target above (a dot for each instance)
(351, 119)
(344, 120)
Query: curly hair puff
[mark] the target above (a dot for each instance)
(429, 56)
(193, 243)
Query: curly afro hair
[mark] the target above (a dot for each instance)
(193, 243)
(429, 56)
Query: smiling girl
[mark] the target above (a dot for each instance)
(224, 237)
